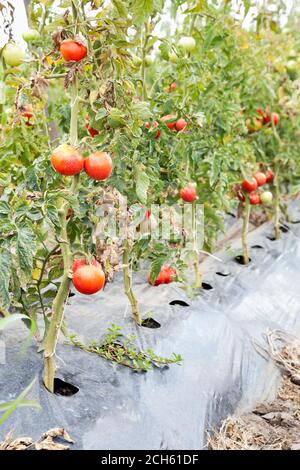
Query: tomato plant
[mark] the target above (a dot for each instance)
(109, 107)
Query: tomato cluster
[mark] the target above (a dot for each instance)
(263, 118)
(67, 161)
(249, 186)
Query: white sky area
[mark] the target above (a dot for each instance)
(20, 24)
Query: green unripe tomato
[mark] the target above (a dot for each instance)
(149, 60)
(31, 35)
(188, 43)
(136, 61)
(173, 57)
(266, 198)
(13, 54)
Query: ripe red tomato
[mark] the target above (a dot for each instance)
(66, 160)
(180, 125)
(93, 132)
(88, 279)
(27, 111)
(72, 50)
(260, 111)
(275, 118)
(260, 178)
(188, 193)
(172, 87)
(165, 276)
(249, 185)
(98, 165)
(154, 125)
(77, 263)
(254, 199)
(269, 176)
(170, 120)
(157, 135)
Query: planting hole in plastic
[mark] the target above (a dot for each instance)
(231, 214)
(182, 303)
(240, 259)
(271, 238)
(223, 274)
(64, 388)
(206, 286)
(257, 247)
(284, 228)
(295, 222)
(151, 323)
(71, 294)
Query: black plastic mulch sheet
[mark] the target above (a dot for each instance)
(173, 407)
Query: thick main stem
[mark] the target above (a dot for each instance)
(51, 337)
(127, 285)
(198, 276)
(276, 206)
(246, 217)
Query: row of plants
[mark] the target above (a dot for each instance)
(107, 105)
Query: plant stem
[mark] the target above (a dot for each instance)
(127, 285)
(56, 321)
(276, 205)
(198, 276)
(143, 68)
(246, 216)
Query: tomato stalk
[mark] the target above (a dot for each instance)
(128, 283)
(198, 275)
(246, 216)
(57, 318)
(143, 67)
(276, 204)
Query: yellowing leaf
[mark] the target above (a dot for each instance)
(36, 274)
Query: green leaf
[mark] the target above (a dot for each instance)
(140, 110)
(120, 7)
(5, 273)
(25, 249)
(156, 267)
(142, 185)
(7, 321)
(11, 406)
(4, 208)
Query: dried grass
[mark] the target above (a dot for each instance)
(274, 425)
